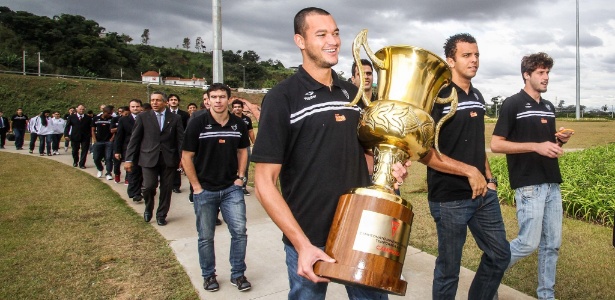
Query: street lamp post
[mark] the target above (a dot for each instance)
(244, 76)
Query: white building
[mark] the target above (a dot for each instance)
(153, 77)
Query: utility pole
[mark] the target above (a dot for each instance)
(217, 51)
(39, 64)
(578, 69)
(23, 62)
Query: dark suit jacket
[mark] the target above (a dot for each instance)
(122, 135)
(6, 124)
(78, 131)
(185, 116)
(150, 144)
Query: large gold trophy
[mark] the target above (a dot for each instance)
(371, 227)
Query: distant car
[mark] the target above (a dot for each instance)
(265, 90)
(206, 86)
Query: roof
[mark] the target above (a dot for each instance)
(151, 73)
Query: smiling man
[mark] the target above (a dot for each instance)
(308, 138)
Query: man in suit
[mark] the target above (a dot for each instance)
(4, 128)
(120, 143)
(174, 107)
(78, 131)
(157, 139)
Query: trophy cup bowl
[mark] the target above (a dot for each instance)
(371, 227)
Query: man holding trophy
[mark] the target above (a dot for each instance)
(462, 191)
(308, 137)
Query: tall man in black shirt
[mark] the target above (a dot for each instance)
(19, 123)
(237, 106)
(214, 157)
(103, 142)
(462, 191)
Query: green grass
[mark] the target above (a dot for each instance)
(66, 235)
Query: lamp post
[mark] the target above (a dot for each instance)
(244, 75)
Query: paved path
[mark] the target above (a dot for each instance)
(265, 254)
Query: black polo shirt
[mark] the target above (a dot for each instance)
(215, 149)
(248, 121)
(310, 131)
(462, 138)
(102, 128)
(19, 122)
(523, 120)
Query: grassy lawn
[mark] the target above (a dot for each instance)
(66, 235)
(586, 265)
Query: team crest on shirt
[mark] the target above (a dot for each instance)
(527, 105)
(346, 94)
(548, 107)
(309, 96)
(340, 118)
(234, 127)
(208, 126)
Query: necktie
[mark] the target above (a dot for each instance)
(174, 111)
(1, 122)
(79, 117)
(159, 117)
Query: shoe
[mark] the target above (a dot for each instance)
(211, 284)
(65, 149)
(99, 174)
(137, 198)
(74, 165)
(30, 151)
(176, 190)
(48, 154)
(190, 200)
(147, 217)
(245, 192)
(126, 182)
(161, 222)
(42, 154)
(81, 167)
(117, 178)
(109, 177)
(241, 283)
(218, 222)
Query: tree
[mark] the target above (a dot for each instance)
(605, 107)
(145, 36)
(186, 43)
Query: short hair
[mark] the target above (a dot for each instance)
(530, 63)
(450, 46)
(237, 101)
(125, 108)
(218, 87)
(108, 109)
(164, 96)
(175, 95)
(192, 104)
(299, 22)
(364, 62)
(147, 106)
(136, 100)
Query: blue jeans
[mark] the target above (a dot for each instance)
(100, 150)
(44, 141)
(303, 289)
(539, 213)
(19, 135)
(484, 218)
(233, 208)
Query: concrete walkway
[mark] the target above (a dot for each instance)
(265, 254)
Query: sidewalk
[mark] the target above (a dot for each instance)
(265, 254)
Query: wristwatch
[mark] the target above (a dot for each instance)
(493, 180)
(244, 179)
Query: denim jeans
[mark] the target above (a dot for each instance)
(484, 218)
(33, 138)
(55, 141)
(19, 136)
(539, 213)
(303, 289)
(100, 150)
(44, 141)
(233, 207)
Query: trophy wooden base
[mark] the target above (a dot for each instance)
(368, 239)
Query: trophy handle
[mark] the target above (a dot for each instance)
(453, 100)
(361, 40)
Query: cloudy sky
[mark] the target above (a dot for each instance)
(506, 30)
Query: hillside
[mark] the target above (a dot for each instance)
(35, 94)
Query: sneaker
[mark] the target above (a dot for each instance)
(211, 284)
(245, 192)
(99, 174)
(30, 151)
(117, 178)
(126, 182)
(65, 149)
(109, 177)
(241, 283)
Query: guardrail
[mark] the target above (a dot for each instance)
(70, 76)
